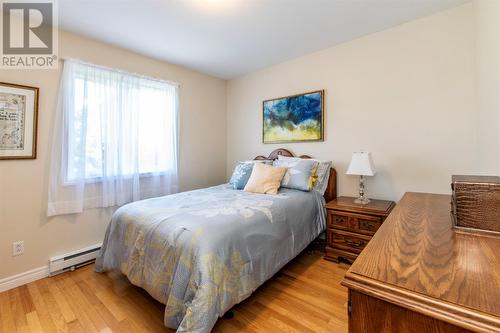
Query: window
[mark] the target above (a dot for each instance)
(116, 129)
(117, 115)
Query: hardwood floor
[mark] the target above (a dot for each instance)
(305, 296)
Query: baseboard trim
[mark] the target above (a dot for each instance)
(23, 278)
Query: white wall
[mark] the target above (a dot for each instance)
(407, 94)
(23, 184)
(487, 17)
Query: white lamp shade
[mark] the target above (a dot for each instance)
(361, 165)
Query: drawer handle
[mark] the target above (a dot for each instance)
(369, 225)
(354, 243)
(339, 219)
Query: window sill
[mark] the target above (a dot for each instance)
(100, 180)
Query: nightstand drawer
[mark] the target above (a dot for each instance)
(347, 241)
(369, 223)
(338, 220)
(354, 222)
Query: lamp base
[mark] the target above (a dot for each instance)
(361, 201)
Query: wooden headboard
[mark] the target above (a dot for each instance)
(331, 190)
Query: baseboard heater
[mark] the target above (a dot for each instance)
(73, 260)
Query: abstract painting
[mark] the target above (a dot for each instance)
(293, 118)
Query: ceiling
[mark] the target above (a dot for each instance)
(229, 38)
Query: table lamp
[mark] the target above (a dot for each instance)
(361, 165)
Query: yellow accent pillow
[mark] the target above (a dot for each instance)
(265, 179)
(314, 176)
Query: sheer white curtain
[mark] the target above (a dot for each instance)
(115, 139)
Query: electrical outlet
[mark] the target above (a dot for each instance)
(17, 248)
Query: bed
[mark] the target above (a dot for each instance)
(203, 251)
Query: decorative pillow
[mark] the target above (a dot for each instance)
(265, 179)
(242, 172)
(322, 173)
(301, 173)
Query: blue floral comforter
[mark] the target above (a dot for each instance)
(203, 251)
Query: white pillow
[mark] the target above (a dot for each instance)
(323, 172)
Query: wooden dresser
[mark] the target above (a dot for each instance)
(418, 274)
(351, 226)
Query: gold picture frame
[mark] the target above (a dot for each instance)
(279, 129)
(18, 121)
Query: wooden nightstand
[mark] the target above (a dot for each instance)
(350, 226)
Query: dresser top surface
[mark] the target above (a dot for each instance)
(416, 249)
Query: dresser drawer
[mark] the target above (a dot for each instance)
(355, 222)
(346, 240)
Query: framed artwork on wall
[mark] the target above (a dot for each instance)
(295, 118)
(18, 121)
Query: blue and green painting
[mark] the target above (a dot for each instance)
(294, 118)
